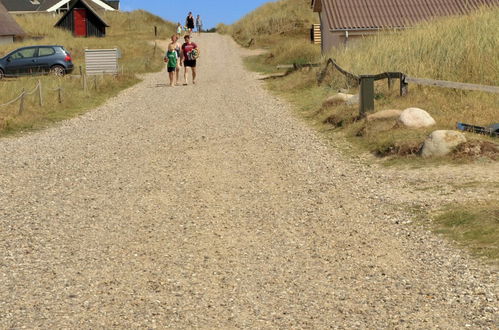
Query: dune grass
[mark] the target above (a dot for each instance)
(460, 49)
(132, 33)
(281, 27)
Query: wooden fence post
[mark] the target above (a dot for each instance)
(59, 94)
(40, 93)
(404, 87)
(21, 103)
(366, 95)
(155, 31)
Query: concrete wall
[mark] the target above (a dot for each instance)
(5, 40)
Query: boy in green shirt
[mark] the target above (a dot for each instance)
(171, 59)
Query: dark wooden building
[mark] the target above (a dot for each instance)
(83, 20)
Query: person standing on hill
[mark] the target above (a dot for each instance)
(179, 29)
(199, 24)
(190, 54)
(189, 22)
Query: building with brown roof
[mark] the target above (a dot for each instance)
(9, 29)
(343, 20)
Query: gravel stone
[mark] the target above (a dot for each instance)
(214, 206)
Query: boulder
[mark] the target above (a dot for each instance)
(416, 118)
(385, 115)
(353, 100)
(337, 99)
(441, 143)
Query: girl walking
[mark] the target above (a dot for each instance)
(176, 45)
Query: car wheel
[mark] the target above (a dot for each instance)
(58, 71)
(2, 74)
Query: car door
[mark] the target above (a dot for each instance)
(45, 58)
(22, 61)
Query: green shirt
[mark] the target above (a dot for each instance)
(172, 59)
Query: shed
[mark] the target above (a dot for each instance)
(344, 20)
(83, 20)
(9, 29)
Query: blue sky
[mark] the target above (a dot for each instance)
(212, 11)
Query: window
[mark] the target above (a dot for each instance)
(23, 53)
(45, 51)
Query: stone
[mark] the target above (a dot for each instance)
(416, 118)
(441, 143)
(353, 100)
(337, 99)
(385, 115)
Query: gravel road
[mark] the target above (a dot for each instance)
(213, 206)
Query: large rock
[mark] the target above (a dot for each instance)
(336, 99)
(353, 100)
(385, 115)
(416, 118)
(441, 143)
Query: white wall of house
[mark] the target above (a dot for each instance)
(5, 40)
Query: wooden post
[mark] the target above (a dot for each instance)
(59, 94)
(404, 87)
(155, 31)
(366, 95)
(21, 103)
(390, 83)
(40, 93)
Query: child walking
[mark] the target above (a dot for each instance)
(171, 59)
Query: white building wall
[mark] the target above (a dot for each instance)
(5, 40)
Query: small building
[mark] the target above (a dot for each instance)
(64, 5)
(113, 3)
(21, 6)
(9, 29)
(83, 19)
(344, 20)
(50, 6)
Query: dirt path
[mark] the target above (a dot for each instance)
(213, 207)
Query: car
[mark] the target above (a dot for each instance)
(34, 60)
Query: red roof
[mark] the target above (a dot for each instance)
(378, 14)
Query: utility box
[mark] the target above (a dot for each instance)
(102, 61)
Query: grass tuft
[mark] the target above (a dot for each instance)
(475, 226)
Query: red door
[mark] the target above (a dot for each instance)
(80, 18)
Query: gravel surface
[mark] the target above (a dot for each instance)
(212, 206)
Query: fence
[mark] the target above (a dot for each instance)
(39, 90)
(366, 83)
